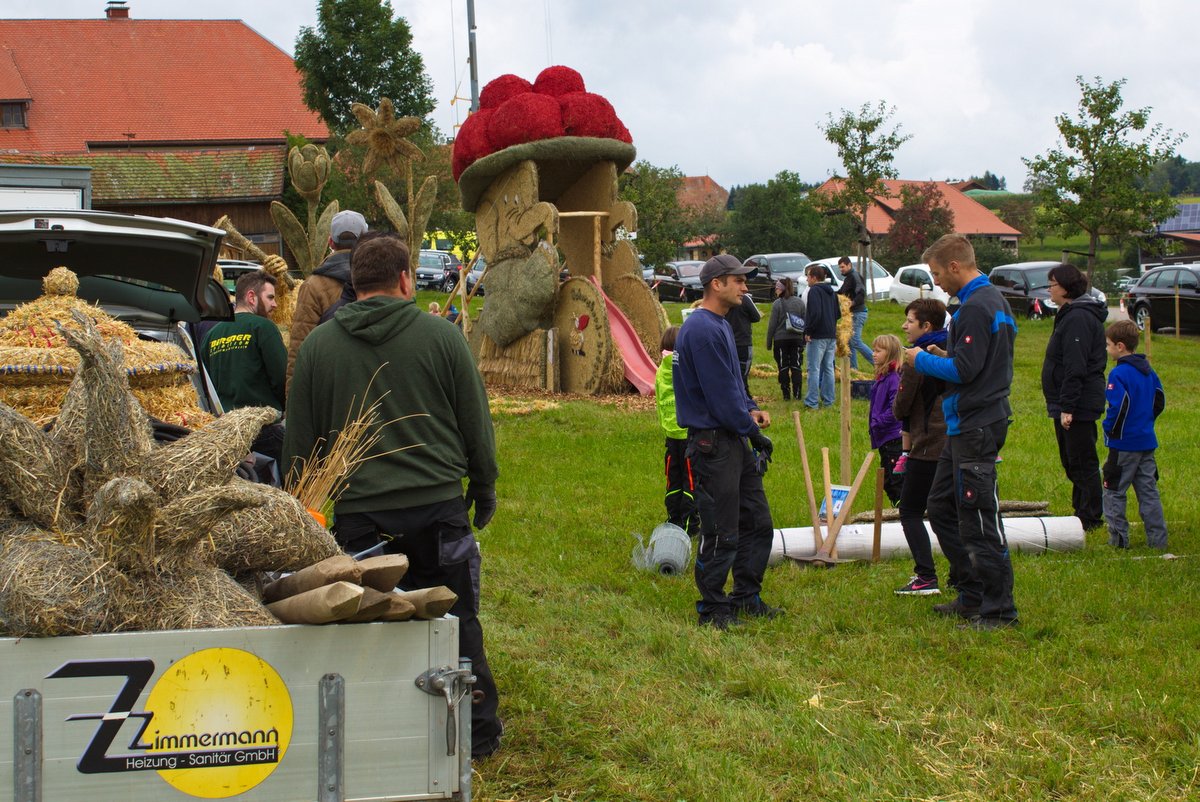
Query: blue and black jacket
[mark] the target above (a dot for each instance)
(1135, 399)
(978, 366)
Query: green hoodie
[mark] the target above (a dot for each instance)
(422, 368)
(664, 398)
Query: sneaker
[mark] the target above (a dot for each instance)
(900, 463)
(981, 624)
(919, 587)
(720, 620)
(956, 608)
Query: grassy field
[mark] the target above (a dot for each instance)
(1051, 248)
(611, 691)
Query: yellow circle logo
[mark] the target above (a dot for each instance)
(222, 722)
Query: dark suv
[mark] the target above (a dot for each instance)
(438, 270)
(1026, 286)
(771, 267)
(1151, 301)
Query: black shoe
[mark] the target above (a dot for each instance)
(956, 608)
(722, 620)
(981, 624)
(760, 609)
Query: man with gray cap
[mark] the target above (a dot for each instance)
(728, 451)
(322, 289)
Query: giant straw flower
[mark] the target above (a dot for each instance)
(385, 136)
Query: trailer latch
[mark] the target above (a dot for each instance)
(453, 684)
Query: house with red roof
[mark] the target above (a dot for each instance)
(971, 218)
(700, 193)
(176, 118)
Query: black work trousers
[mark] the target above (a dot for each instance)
(680, 499)
(1077, 453)
(735, 521)
(789, 358)
(918, 479)
(964, 512)
(441, 550)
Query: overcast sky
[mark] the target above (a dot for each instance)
(736, 89)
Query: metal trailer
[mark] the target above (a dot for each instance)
(337, 713)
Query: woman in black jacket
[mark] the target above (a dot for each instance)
(1073, 384)
(784, 342)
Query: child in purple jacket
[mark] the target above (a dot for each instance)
(884, 427)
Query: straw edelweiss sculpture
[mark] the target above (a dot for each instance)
(101, 529)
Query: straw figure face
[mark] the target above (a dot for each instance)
(101, 529)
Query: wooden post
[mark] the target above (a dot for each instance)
(596, 251)
(1177, 311)
(846, 423)
(808, 483)
(878, 534)
(1149, 328)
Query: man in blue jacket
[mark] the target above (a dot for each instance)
(712, 404)
(963, 502)
(820, 333)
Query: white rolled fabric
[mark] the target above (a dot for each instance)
(1027, 535)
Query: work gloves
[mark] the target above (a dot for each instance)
(763, 447)
(483, 499)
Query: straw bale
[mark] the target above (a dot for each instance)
(276, 535)
(642, 308)
(50, 588)
(521, 364)
(207, 457)
(320, 605)
(587, 357)
(845, 326)
(34, 474)
(174, 403)
(384, 572)
(188, 520)
(338, 568)
(120, 525)
(432, 602)
(193, 597)
(520, 296)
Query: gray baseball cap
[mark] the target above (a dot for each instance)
(723, 264)
(346, 227)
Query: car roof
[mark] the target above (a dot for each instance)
(1027, 265)
(158, 251)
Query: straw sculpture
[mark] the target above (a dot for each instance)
(37, 365)
(103, 530)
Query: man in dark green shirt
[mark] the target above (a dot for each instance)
(245, 357)
(409, 491)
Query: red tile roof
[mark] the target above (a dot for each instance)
(702, 192)
(127, 82)
(970, 217)
(123, 177)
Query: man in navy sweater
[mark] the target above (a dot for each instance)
(963, 501)
(728, 452)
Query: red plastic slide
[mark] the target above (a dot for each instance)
(639, 367)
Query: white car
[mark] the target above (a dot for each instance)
(913, 282)
(878, 279)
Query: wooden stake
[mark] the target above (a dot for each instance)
(1149, 328)
(878, 514)
(808, 483)
(845, 457)
(828, 493)
(828, 552)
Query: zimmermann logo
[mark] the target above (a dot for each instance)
(215, 724)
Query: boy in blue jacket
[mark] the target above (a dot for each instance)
(1135, 399)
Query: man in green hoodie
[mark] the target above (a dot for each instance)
(409, 492)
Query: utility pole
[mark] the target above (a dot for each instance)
(471, 56)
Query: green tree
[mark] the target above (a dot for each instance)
(360, 52)
(867, 151)
(923, 216)
(1093, 181)
(662, 223)
(775, 217)
(990, 181)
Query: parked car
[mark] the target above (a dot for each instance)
(647, 273)
(1151, 301)
(233, 269)
(1026, 285)
(153, 273)
(877, 273)
(475, 274)
(913, 282)
(678, 281)
(770, 267)
(438, 270)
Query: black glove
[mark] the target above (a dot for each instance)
(484, 501)
(762, 452)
